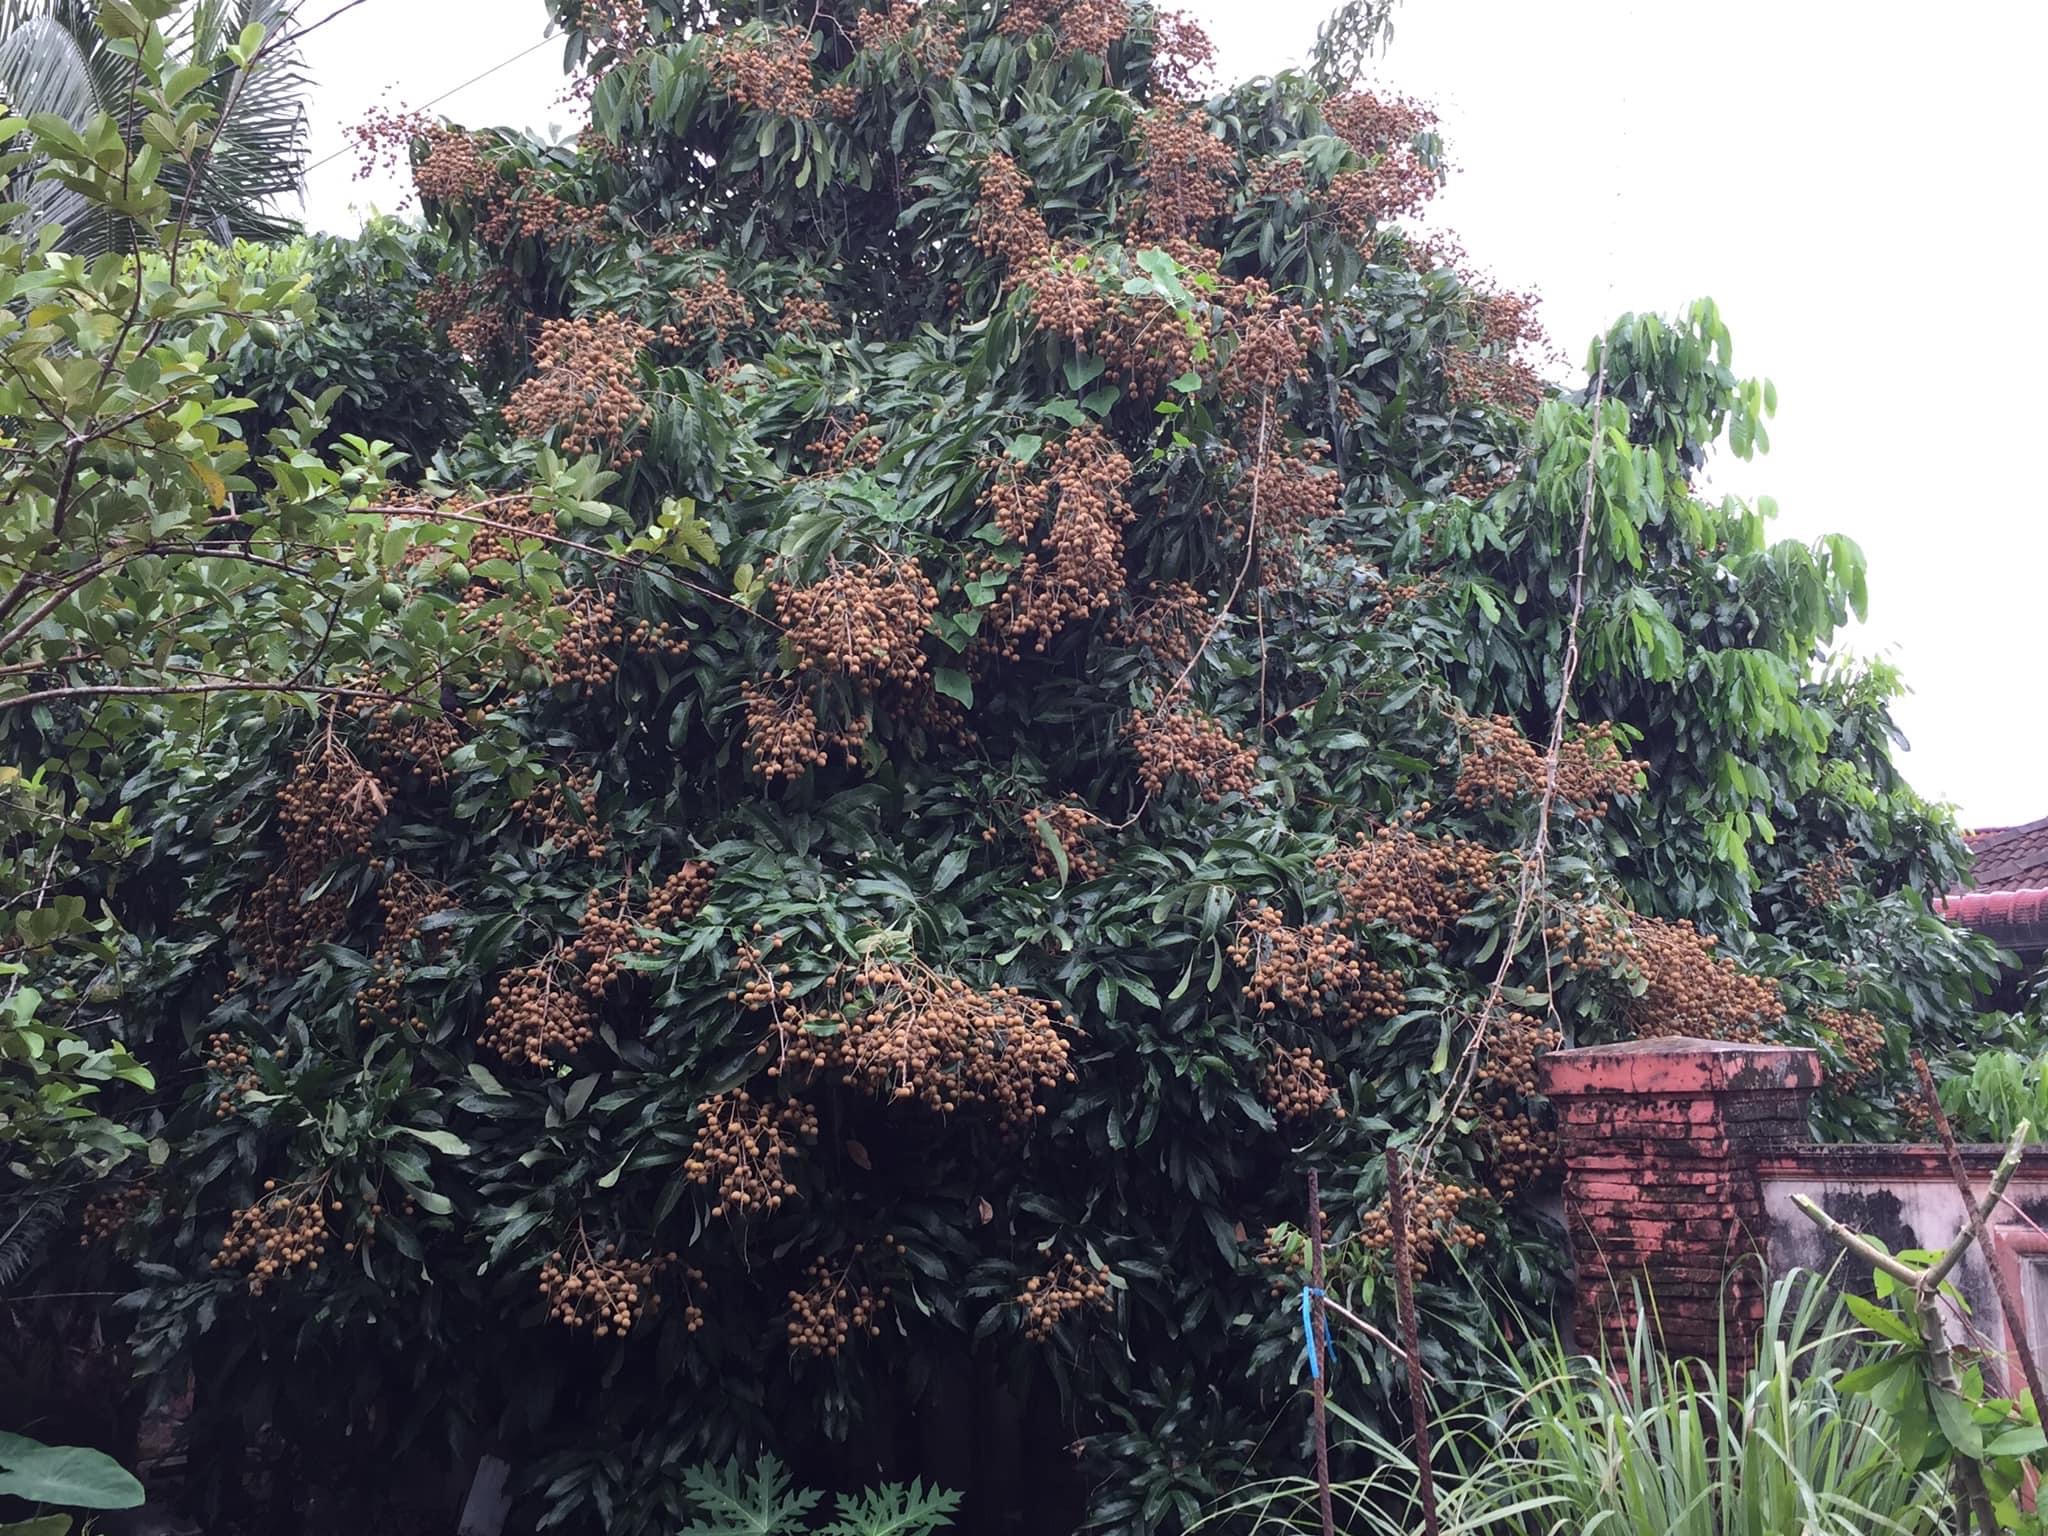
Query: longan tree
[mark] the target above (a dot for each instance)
(1029, 736)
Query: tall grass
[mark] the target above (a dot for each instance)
(1560, 1448)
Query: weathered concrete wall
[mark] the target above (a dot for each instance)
(1906, 1197)
(1682, 1158)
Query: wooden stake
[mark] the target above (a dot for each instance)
(1404, 1298)
(1924, 1285)
(1319, 1366)
(2015, 1320)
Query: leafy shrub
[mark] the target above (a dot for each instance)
(763, 1502)
(395, 382)
(1986, 1094)
(1653, 1448)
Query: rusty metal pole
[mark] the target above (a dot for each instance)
(1317, 1329)
(1404, 1299)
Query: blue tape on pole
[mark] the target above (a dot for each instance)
(1309, 1294)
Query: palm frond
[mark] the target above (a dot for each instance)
(26, 1223)
(54, 58)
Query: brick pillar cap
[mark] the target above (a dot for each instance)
(1678, 1067)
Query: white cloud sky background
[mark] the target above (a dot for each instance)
(1858, 186)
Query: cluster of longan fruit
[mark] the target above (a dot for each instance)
(617, 28)
(1181, 741)
(744, 1145)
(599, 1288)
(563, 811)
(849, 442)
(864, 623)
(708, 306)
(454, 167)
(1295, 1086)
(1068, 514)
(836, 1307)
(586, 381)
(1067, 295)
(1520, 1150)
(1170, 623)
(286, 1229)
(784, 738)
(1433, 1222)
(1588, 938)
(1822, 880)
(1189, 172)
(524, 210)
(1420, 885)
(1143, 340)
(1272, 342)
(328, 807)
(1396, 595)
(108, 1214)
(680, 897)
(936, 45)
(1370, 123)
(1293, 489)
(1004, 224)
(1691, 991)
(604, 938)
(1500, 766)
(1314, 971)
(230, 1060)
(1070, 1286)
(908, 1033)
(474, 314)
(1075, 827)
(406, 737)
(1507, 1064)
(1491, 378)
(771, 75)
(537, 1015)
(803, 313)
(1183, 57)
(1084, 26)
(1476, 485)
(1858, 1035)
(406, 901)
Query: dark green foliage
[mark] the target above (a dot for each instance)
(1350, 655)
(397, 382)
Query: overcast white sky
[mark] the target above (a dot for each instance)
(1859, 186)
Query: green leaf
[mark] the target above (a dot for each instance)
(1881, 1320)
(1958, 1426)
(70, 1475)
(440, 1141)
(1051, 839)
(955, 685)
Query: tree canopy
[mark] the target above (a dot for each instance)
(967, 690)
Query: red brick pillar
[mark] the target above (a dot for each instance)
(1660, 1144)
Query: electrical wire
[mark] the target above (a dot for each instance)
(455, 90)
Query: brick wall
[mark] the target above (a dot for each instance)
(1663, 1141)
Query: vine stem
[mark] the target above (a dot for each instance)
(1535, 857)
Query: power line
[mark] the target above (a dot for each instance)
(451, 91)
